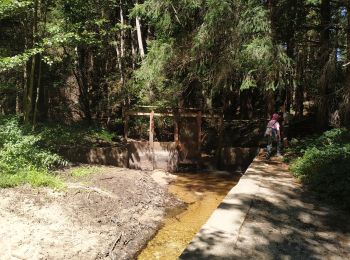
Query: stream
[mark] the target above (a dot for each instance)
(202, 192)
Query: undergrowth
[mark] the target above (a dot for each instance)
(323, 163)
(54, 136)
(23, 160)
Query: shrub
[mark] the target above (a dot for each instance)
(324, 165)
(22, 160)
(55, 136)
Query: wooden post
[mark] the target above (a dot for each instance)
(199, 131)
(151, 127)
(176, 127)
(221, 138)
(126, 126)
(151, 136)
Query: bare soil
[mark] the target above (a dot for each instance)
(109, 215)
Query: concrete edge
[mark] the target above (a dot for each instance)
(218, 236)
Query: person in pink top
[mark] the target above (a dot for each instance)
(273, 134)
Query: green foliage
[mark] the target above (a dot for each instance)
(150, 79)
(36, 178)
(54, 136)
(12, 7)
(8, 63)
(22, 160)
(168, 16)
(229, 45)
(324, 164)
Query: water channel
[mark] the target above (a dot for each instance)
(202, 192)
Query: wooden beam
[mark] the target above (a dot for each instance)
(182, 114)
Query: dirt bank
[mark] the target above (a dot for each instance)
(109, 215)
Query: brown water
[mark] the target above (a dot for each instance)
(202, 193)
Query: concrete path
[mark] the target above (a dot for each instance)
(268, 215)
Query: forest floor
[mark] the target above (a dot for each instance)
(107, 215)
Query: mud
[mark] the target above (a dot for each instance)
(110, 215)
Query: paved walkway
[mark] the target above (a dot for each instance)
(268, 215)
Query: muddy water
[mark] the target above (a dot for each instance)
(202, 193)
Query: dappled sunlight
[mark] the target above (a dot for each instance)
(280, 221)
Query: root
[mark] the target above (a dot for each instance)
(111, 254)
(93, 189)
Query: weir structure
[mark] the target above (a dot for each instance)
(186, 149)
(198, 140)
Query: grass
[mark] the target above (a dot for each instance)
(33, 177)
(83, 171)
(41, 178)
(28, 157)
(22, 158)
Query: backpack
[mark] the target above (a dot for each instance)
(268, 131)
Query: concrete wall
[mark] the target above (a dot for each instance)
(142, 157)
(236, 158)
(116, 156)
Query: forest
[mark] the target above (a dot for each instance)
(68, 65)
(71, 68)
(66, 61)
(196, 78)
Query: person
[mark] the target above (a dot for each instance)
(273, 134)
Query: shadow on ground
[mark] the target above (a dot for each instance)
(284, 221)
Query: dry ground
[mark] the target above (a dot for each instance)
(109, 215)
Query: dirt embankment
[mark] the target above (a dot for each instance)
(110, 215)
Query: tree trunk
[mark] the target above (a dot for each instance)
(299, 90)
(324, 56)
(289, 88)
(83, 82)
(122, 33)
(346, 102)
(28, 101)
(139, 37)
(20, 102)
(29, 95)
(120, 48)
(35, 115)
(133, 50)
(270, 101)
